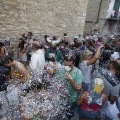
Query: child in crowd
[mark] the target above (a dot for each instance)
(91, 101)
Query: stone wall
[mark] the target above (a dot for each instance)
(51, 17)
(96, 12)
(103, 13)
(92, 14)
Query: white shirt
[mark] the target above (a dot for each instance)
(112, 111)
(86, 71)
(37, 62)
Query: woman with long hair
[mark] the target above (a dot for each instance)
(90, 46)
(86, 61)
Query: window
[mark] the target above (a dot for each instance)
(116, 8)
(116, 5)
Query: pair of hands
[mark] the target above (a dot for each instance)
(68, 77)
(51, 71)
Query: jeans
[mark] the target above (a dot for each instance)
(70, 110)
(28, 56)
(87, 114)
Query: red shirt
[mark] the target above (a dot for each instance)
(91, 107)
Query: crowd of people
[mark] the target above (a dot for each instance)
(55, 78)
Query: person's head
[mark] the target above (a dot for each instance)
(53, 48)
(76, 38)
(69, 60)
(6, 60)
(54, 38)
(79, 35)
(83, 42)
(65, 37)
(1, 43)
(96, 29)
(88, 43)
(51, 57)
(22, 41)
(98, 85)
(65, 34)
(45, 36)
(107, 47)
(23, 35)
(114, 67)
(30, 34)
(114, 44)
(100, 38)
(62, 44)
(35, 46)
(78, 44)
(86, 55)
(106, 55)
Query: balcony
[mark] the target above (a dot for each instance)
(115, 16)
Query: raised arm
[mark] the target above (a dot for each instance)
(95, 58)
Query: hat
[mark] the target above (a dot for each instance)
(115, 56)
(98, 85)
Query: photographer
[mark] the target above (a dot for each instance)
(105, 56)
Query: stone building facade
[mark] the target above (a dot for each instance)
(96, 14)
(53, 17)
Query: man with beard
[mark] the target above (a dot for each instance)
(73, 79)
